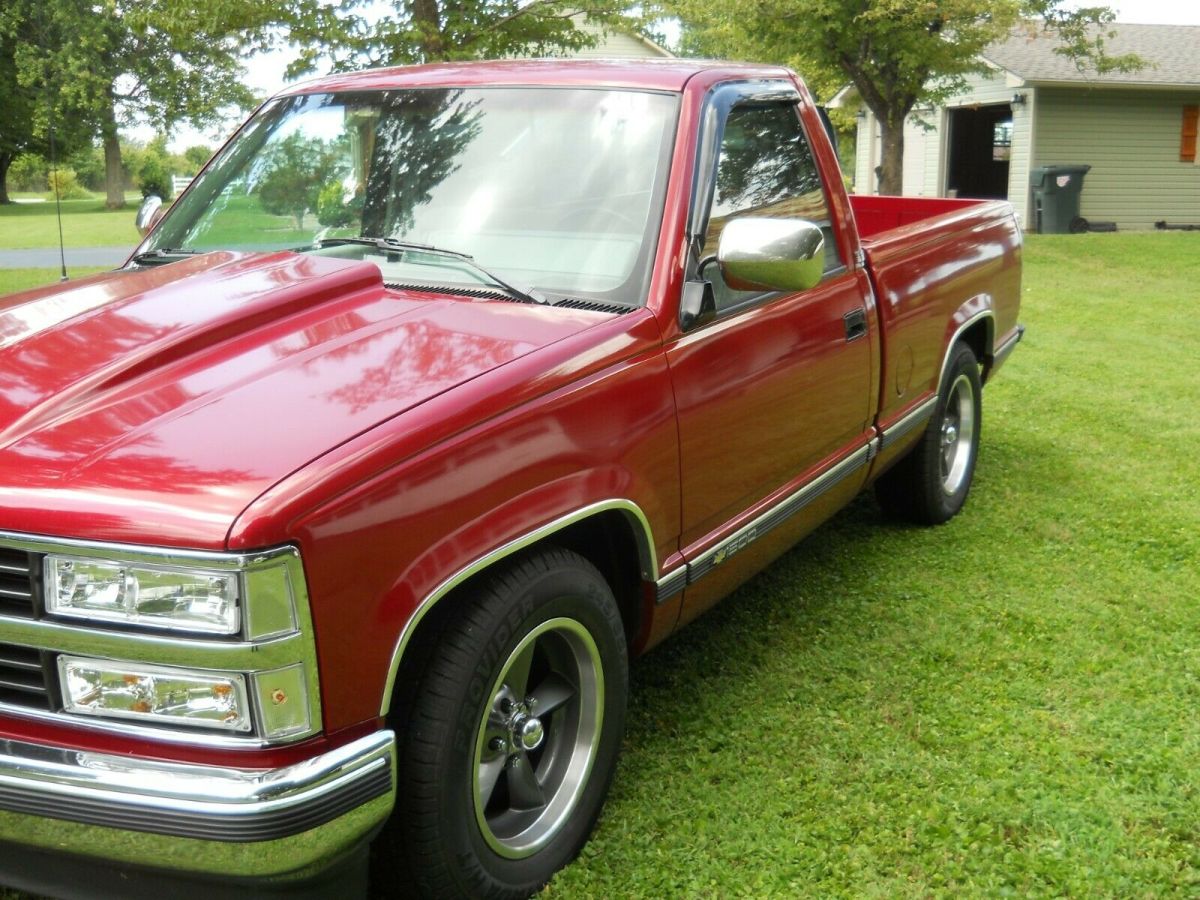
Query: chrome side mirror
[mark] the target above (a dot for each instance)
(148, 214)
(757, 254)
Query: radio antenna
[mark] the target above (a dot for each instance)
(51, 111)
(62, 253)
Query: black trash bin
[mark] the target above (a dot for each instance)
(1056, 191)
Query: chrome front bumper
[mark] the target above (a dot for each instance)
(202, 820)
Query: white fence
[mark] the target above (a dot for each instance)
(179, 184)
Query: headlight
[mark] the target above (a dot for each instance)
(181, 599)
(98, 687)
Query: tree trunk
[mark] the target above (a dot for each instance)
(5, 161)
(891, 167)
(427, 17)
(114, 172)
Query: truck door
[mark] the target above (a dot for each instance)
(776, 388)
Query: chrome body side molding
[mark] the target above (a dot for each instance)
(1002, 352)
(917, 418)
(646, 556)
(764, 523)
(670, 585)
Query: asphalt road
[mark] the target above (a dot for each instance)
(47, 257)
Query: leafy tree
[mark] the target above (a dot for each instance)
(88, 163)
(195, 157)
(121, 61)
(17, 133)
(415, 31)
(298, 169)
(896, 53)
(422, 135)
(337, 210)
(28, 172)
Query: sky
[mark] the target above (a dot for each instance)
(265, 73)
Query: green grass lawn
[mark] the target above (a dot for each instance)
(13, 280)
(242, 222)
(1005, 705)
(86, 223)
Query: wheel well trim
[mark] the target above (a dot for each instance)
(959, 332)
(647, 559)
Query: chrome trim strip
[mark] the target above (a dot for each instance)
(776, 515)
(874, 446)
(917, 417)
(1001, 353)
(985, 314)
(195, 801)
(670, 585)
(163, 556)
(646, 554)
(125, 728)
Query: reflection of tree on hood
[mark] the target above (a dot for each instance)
(420, 137)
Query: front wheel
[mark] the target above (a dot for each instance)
(513, 736)
(930, 485)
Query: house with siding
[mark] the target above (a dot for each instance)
(1034, 107)
(617, 43)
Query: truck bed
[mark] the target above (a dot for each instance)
(876, 214)
(935, 264)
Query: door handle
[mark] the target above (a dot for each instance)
(856, 324)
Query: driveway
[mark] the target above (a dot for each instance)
(47, 257)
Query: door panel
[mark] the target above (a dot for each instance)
(779, 383)
(764, 396)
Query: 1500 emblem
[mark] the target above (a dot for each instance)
(738, 543)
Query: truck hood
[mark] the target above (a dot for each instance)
(154, 406)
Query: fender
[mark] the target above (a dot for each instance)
(646, 556)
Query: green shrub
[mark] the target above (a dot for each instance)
(64, 184)
(153, 177)
(334, 210)
(27, 173)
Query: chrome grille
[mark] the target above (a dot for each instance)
(17, 578)
(23, 677)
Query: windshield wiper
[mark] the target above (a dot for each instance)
(162, 255)
(526, 295)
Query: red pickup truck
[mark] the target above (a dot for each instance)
(336, 515)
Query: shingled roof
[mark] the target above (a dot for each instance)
(1172, 53)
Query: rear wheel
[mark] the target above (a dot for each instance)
(930, 485)
(513, 736)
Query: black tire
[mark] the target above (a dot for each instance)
(551, 615)
(930, 485)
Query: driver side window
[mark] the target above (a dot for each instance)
(765, 168)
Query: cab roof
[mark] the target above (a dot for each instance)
(643, 74)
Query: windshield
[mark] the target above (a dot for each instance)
(555, 189)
